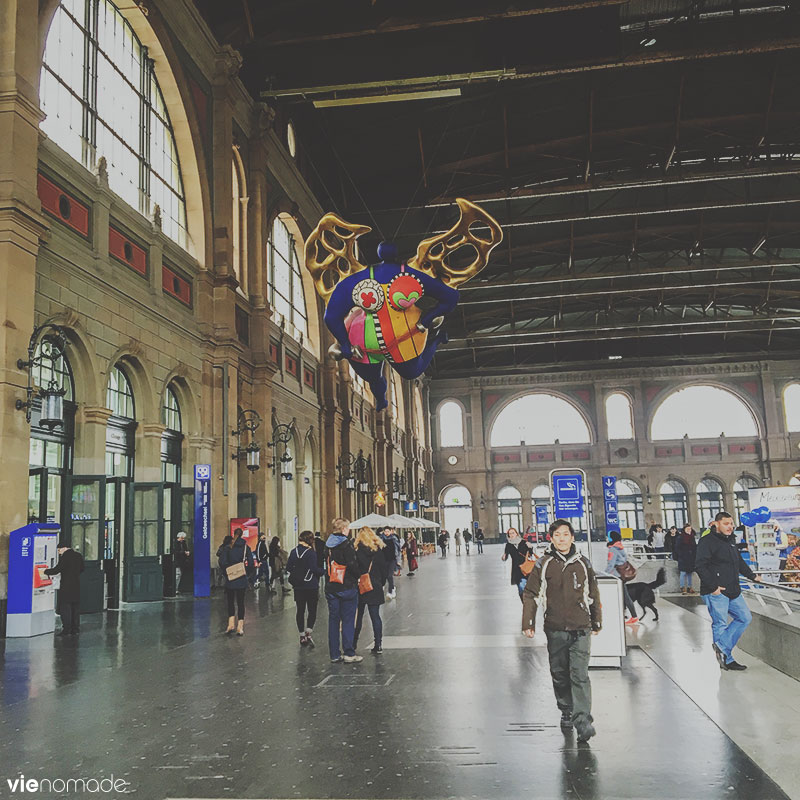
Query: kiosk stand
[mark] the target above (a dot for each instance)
(31, 593)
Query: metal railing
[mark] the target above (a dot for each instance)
(763, 591)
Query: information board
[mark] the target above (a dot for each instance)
(568, 495)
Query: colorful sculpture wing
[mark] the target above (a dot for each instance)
(330, 252)
(432, 254)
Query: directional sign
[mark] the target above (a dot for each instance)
(542, 515)
(568, 495)
(611, 503)
(202, 530)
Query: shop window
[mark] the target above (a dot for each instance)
(630, 505)
(509, 506)
(709, 499)
(674, 505)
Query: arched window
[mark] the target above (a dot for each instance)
(171, 439)
(630, 506)
(456, 508)
(674, 505)
(709, 499)
(791, 406)
(101, 96)
(740, 495)
(509, 507)
(451, 425)
(50, 454)
(239, 221)
(121, 425)
(285, 282)
(539, 419)
(619, 416)
(702, 412)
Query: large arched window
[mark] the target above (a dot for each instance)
(102, 99)
(285, 281)
(619, 416)
(509, 508)
(702, 412)
(239, 221)
(121, 425)
(791, 406)
(709, 499)
(630, 507)
(539, 419)
(456, 508)
(50, 455)
(740, 496)
(674, 504)
(171, 439)
(451, 425)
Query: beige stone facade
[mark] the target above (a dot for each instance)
(219, 346)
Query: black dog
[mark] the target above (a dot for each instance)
(644, 593)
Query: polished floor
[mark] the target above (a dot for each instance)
(459, 705)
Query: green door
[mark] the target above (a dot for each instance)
(115, 530)
(84, 526)
(144, 546)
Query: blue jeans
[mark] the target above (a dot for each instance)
(726, 634)
(342, 609)
(686, 580)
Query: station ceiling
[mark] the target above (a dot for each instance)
(643, 159)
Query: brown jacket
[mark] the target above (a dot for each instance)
(566, 588)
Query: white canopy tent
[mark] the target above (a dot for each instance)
(372, 521)
(399, 521)
(427, 523)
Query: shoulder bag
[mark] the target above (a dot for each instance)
(365, 581)
(237, 570)
(336, 571)
(526, 567)
(626, 571)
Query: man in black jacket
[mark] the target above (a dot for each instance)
(69, 567)
(719, 563)
(341, 592)
(262, 556)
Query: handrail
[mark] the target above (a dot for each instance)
(784, 587)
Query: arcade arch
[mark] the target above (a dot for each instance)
(538, 419)
(456, 503)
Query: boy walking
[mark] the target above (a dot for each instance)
(564, 584)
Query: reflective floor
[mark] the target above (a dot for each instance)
(458, 705)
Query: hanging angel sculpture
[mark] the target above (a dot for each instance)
(373, 312)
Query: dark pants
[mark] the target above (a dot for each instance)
(480, 545)
(263, 572)
(626, 598)
(390, 581)
(70, 616)
(342, 616)
(306, 599)
(377, 623)
(236, 595)
(569, 668)
(444, 550)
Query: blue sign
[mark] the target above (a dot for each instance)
(411, 505)
(611, 503)
(542, 516)
(202, 530)
(568, 495)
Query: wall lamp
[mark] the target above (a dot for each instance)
(345, 469)
(482, 504)
(399, 487)
(51, 350)
(281, 436)
(248, 420)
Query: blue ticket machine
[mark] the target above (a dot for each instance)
(31, 593)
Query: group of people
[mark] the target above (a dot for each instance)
(458, 538)
(356, 571)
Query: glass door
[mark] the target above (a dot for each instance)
(85, 529)
(116, 523)
(144, 548)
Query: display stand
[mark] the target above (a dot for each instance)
(608, 646)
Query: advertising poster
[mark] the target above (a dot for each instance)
(249, 526)
(783, 504)
(45, 556)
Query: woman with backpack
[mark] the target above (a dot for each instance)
(236, 563)
(373, 568)
(304, 573)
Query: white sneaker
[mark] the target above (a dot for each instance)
(352, 659)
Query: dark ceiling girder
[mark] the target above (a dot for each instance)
(281, 38)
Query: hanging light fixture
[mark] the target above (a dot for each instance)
(248, 421)
(51, 349)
